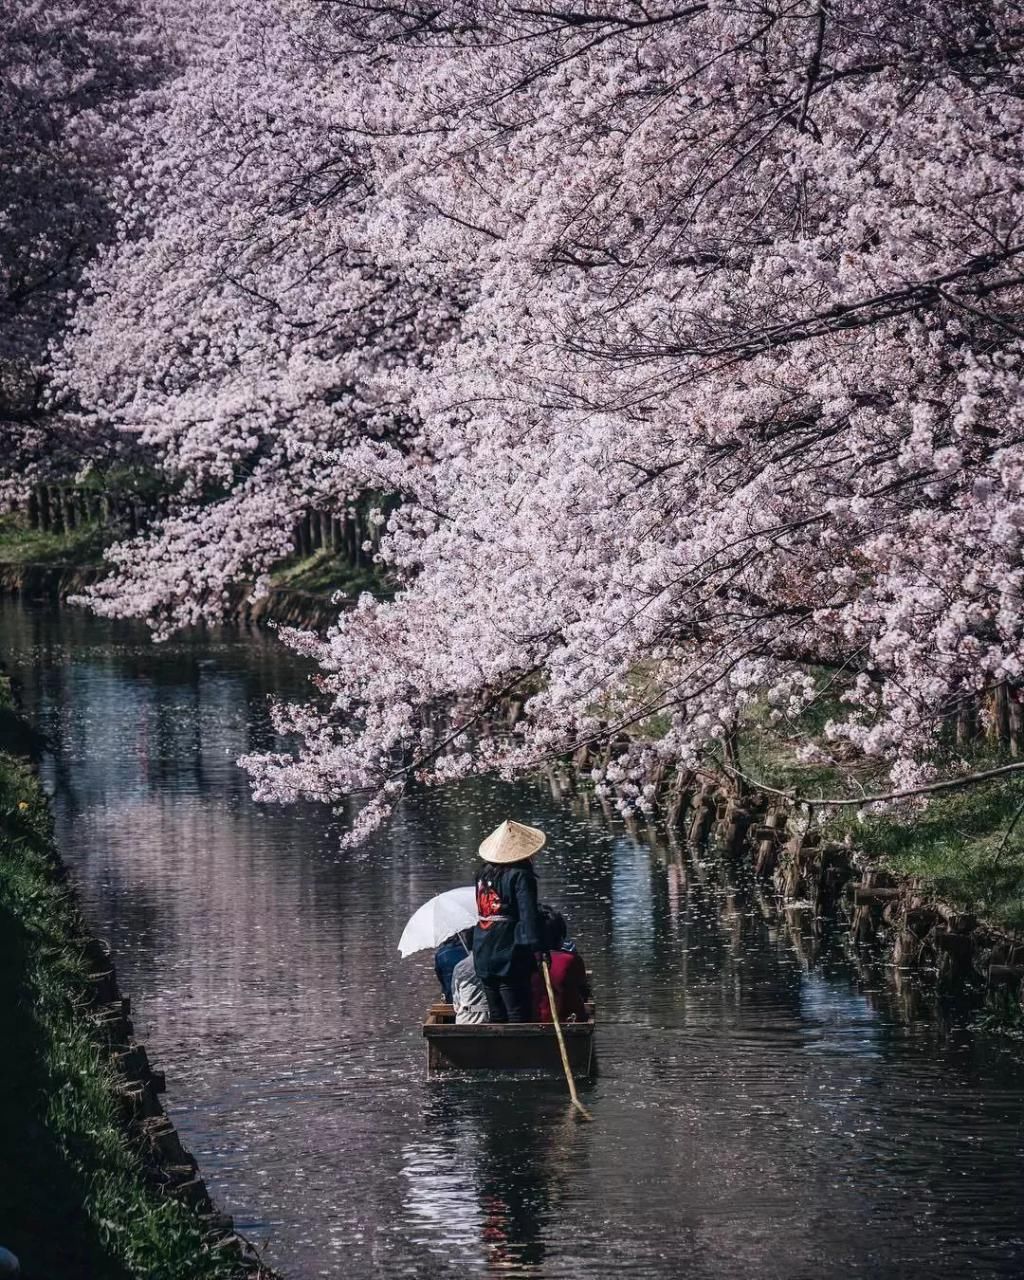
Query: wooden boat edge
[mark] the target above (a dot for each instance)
(477, 1047)
(438, 1023)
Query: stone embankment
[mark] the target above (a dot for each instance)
(169, 1168)
(283, 606)
(894, 918)
(47, 581)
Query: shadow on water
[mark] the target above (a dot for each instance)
(487, 1175)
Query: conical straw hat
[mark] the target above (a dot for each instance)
(512, 842)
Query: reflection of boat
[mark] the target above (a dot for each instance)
(505, 1046)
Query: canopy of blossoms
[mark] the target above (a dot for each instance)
(241, 326)
(73, 80)
(690, 336)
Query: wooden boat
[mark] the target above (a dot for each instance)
(505, 1046)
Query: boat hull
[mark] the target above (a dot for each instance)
(504, 1046)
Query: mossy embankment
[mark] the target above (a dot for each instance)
(965, 847)
(303, 591)
(309, 591)
(934, 887)
(84, 1191)
(47, 564)
(968, 847)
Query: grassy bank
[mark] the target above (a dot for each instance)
(967, 847)
(74, 1201)
(21, 545)
(326, 572)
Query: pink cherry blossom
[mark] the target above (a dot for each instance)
(688, 335)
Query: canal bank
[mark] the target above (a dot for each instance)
(94, 1181)
(854, 881)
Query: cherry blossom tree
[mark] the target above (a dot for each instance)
(241, 325)
(68, 72)
(738, 402)
(688, 333)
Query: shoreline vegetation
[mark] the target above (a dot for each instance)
(52, 565)
(94, 1183)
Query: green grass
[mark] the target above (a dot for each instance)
(73, 1201)
(953, 844)
(22, 545)
(325, 572)
(956, 846)
(772, 759)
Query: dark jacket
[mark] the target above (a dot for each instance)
(508, 931)
(446, 957)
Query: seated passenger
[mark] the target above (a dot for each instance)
(468, 994)
(448, 955)
(568, 973)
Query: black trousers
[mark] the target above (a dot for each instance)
(509, 999)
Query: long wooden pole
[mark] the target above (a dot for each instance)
(553, 1004)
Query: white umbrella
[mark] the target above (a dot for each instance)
(438, 919)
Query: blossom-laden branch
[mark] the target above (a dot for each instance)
(69, 75)
(689, 335)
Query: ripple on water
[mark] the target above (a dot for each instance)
(755, 1114)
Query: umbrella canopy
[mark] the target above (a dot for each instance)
(439, 919)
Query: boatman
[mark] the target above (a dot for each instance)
(508, 935)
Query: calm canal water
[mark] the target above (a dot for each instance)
(757, 1114)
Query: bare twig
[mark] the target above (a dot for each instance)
(814, 67)
(1009, 832)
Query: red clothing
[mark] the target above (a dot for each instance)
(569, 979)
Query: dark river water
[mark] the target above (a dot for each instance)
(760, 1112)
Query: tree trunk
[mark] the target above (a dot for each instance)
(966, 724)
(1001, 714)
(1016, 720)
